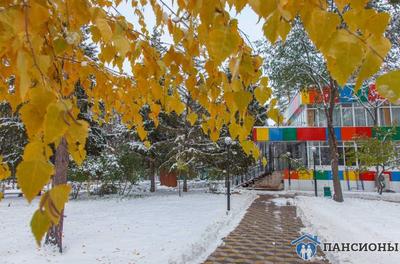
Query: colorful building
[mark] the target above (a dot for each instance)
(303, 139)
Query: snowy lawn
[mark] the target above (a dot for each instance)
(158, 229)
(355, 220)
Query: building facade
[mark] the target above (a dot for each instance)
(301, 144)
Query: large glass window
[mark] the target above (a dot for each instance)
(384, 116)
(395, 115)
(336, 117)
(360, 118)
(325, 155)
(311, 154)
(370, 118)
(322, 118)
(347, 116)
(311, 117)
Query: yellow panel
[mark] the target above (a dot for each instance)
(305, 175)
(262, 134)
(350, 175)
(305, 97)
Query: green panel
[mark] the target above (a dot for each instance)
(321, 175)
(380, 132)
(289, 134)
(397, 135)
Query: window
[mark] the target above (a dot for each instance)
(325, 155)
(311, 154)
(347, 116)
(311, 117)
(336, 117)
(384, 116)
(322, 118)
(360, 118)
(341, 155)
(395, 115)
(370, 118)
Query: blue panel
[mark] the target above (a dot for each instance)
(346, 94)
(395, 175)
(338, 133)
(275, 134)
(329, 174)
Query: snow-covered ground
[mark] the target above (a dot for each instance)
(357, 220)
(158, 229)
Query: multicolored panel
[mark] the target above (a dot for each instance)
(349, 175)
(261, 134)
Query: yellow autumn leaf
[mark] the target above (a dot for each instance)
(76, 136)
(32, 176)
(271, 27)
(262, 94)
(275, 115)
(104, 28)
(344, 56)
(36, 149)
(263, 8)
(33, 112)
(55, 202)
(242, 100)
(4, 171)
(388, 86)
(54, 122)
(250, 148)
(142, 133)
(320, 32)
(122, 45)
(373, 59)
(264, 161)
(23, 66)
(192, 118)
(222, 41)
(40, 224)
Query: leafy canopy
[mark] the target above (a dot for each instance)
(42, 59)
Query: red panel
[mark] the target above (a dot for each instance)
(314, 96)
(364, 131)
(311, 133)
(367, 176)
(294, 175)
(348, 133)
(254, 134)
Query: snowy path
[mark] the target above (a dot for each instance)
(158, 229)
(355, 220)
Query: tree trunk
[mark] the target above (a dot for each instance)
(337, 188)
(185, 187)
(152, 177)
(54, 235)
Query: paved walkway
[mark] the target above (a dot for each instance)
(263, 236)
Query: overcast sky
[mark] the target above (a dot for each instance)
(247, 20)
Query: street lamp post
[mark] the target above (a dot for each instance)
(289, 168)
(228, 143)
(314, 151)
